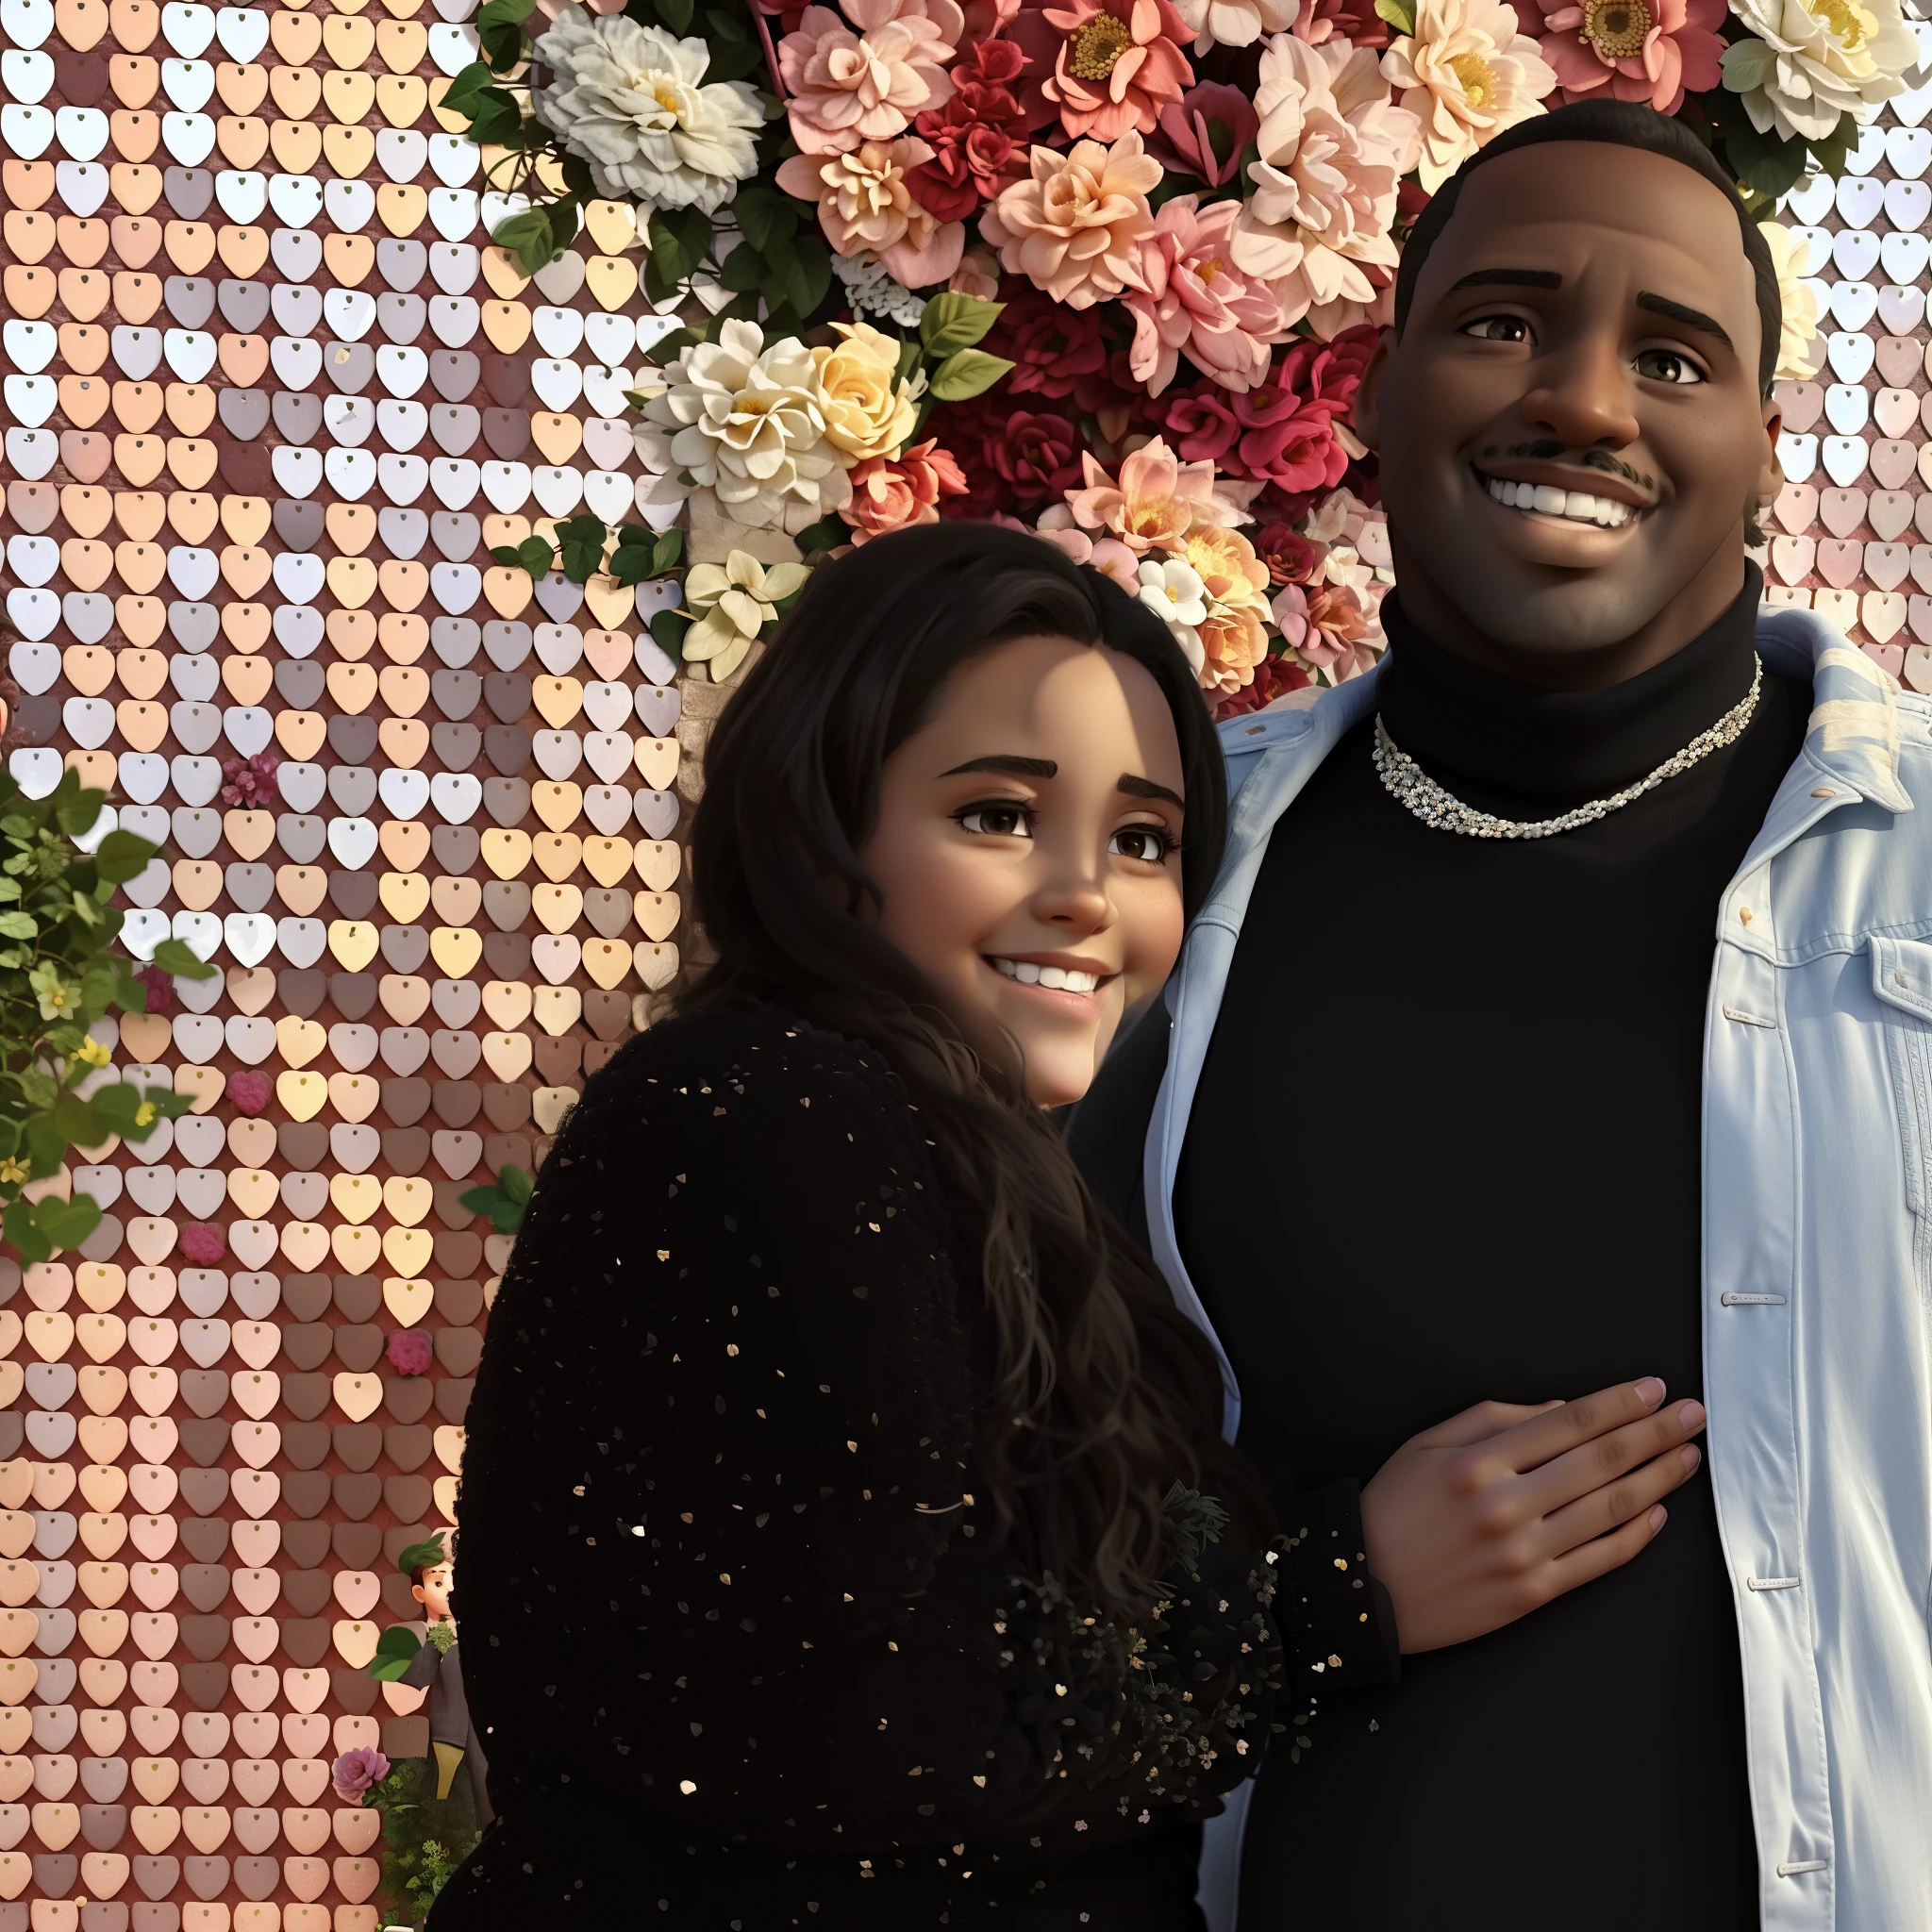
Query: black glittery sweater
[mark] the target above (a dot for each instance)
(739, 1643)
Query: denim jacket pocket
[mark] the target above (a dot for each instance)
(1902, 979)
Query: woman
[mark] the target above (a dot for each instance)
(837, 1484)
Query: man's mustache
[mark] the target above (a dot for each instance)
(1546, 451)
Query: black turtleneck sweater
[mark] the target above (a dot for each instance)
(1446, 1148)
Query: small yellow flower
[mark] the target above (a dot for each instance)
(13, 1170)
(145, 1114)
(94, 1053)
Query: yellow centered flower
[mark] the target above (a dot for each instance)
(93, 1053)
(1851, 22)
(1098, 44)
(145, 1114)
(1477, 76)
(1616, 29)
(11, 1170)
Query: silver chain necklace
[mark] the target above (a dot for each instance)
(1442, 812)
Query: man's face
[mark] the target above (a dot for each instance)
(1586, 323)
(433, 1592)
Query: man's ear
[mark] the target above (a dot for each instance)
(1366, 419)
(1771, 475)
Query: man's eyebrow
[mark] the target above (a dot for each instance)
(1510, 278)
(1691, 318)
(1008, 761)
(1146, 788)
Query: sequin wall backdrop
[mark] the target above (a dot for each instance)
(271, 398)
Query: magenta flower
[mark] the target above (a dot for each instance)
(409, 1352)
(160, 989)
(203, 1242)
(249, 782)
(356, 1770)
(251, 1089)
(1204, 132)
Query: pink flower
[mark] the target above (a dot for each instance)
(1651, 51)
(1204, 132)
(865, 202)
(409, 1352)
(1073, 228)
(1106, 66)
(1354, 21)
(251, 782)
(355, 1772)
(1330, 627)
(895, 492)
(848, 87)
(203, 1242)
(160, 990)
(1110, 557)
(251, 1089)
(1195, 302)
(1154, 504)
(978, 274)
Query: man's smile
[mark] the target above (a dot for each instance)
(1551, 500)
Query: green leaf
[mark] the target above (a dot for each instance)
(467, 86)
(580, 545)
(123, 856)
(725, 26)
(496, 121)
(174, 955)
(20, 1227)
(827, 534)
(535, 557)
(675, 14)
(18, 926)
(744, 267)
(75, 811)
(527, 235)
(517, 1184)
(762, 212)
(672, 346)
(967, 373)
(395, 1650)
(669, 548)
(1399, 15)
(733, 63)
(630, 563)
(500, 28)
(668, 628)
(1747, 64)
(953, 322)
(810, 274)
(66, 1223)
(506, 555)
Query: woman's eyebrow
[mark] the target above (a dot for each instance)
(1146, 788)
(1008, 761)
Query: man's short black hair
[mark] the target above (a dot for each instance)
(1620, 123)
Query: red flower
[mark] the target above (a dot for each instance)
(1198, 423)
(160, 990)
(1274, 678)
(250, 783)
(1010, 459)
(978, 138)
(250, 1090)
(1291, 557)
(1204, 132)
(1051, 346)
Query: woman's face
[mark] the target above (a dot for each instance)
(1029, 849)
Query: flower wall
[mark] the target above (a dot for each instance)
(1112, 269)
(392, 589)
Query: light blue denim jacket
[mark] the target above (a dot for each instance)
(1817, 1266)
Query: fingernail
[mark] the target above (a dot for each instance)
(1693, 1457)
(1650, 1392)
(1658, 1517)
(1691, 1414)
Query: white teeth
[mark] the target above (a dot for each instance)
(1577, 504)
(1060, 978)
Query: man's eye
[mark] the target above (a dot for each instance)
(1666, 365)
(1149, 843)
(1000, 821)
(1498, 328)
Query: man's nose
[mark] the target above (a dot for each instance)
(1584, 397)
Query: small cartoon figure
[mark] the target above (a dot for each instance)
(437, 1668)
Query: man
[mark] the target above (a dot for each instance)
(437, 1668)
(1629, 1093)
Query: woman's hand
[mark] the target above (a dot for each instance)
(1487, 1516)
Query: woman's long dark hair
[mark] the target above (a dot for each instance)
(1086, 1432)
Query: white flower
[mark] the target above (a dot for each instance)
(749, 422)
(734, 601)
(1801, 349)
(1333, 151)
(1173, 590)
(1816, 59)
(631, 101)
(1235, 22)
(873, 292)
(1468, 72)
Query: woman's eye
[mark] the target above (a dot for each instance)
(1498, 328)
(1150, 842)
(1000, 821)
(1666, 365)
